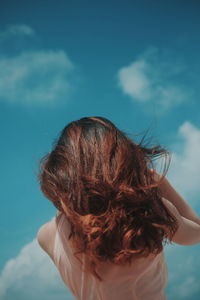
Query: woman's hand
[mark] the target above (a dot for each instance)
(167, 191)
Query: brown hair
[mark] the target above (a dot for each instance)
(101, 179)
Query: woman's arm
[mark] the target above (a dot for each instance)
(167, 191)
(188, 232)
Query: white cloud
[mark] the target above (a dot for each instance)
(35, 77)
(16, 30)
(32, 77)
(135, 82)
(32, 273)
(185, 164)
(153, 78)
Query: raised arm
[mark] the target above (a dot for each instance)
(167, 191)
(188, 232)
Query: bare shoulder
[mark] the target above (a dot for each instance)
(46, 236)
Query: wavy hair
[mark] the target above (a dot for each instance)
(101, 180)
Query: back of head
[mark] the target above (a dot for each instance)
(101, 180)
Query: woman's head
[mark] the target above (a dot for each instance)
(100, 179)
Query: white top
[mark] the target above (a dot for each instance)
(144, 279)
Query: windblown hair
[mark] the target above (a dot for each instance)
(101, 180)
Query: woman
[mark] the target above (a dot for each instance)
(115, 213)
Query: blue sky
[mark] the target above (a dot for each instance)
(134, 62)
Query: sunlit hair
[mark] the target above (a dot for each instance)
(101, 180)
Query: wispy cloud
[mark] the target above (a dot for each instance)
(183, 267)
(35, 78)
(32, 272)
(185, 165)
(189, 287)
(154, 78)
(16, 30)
